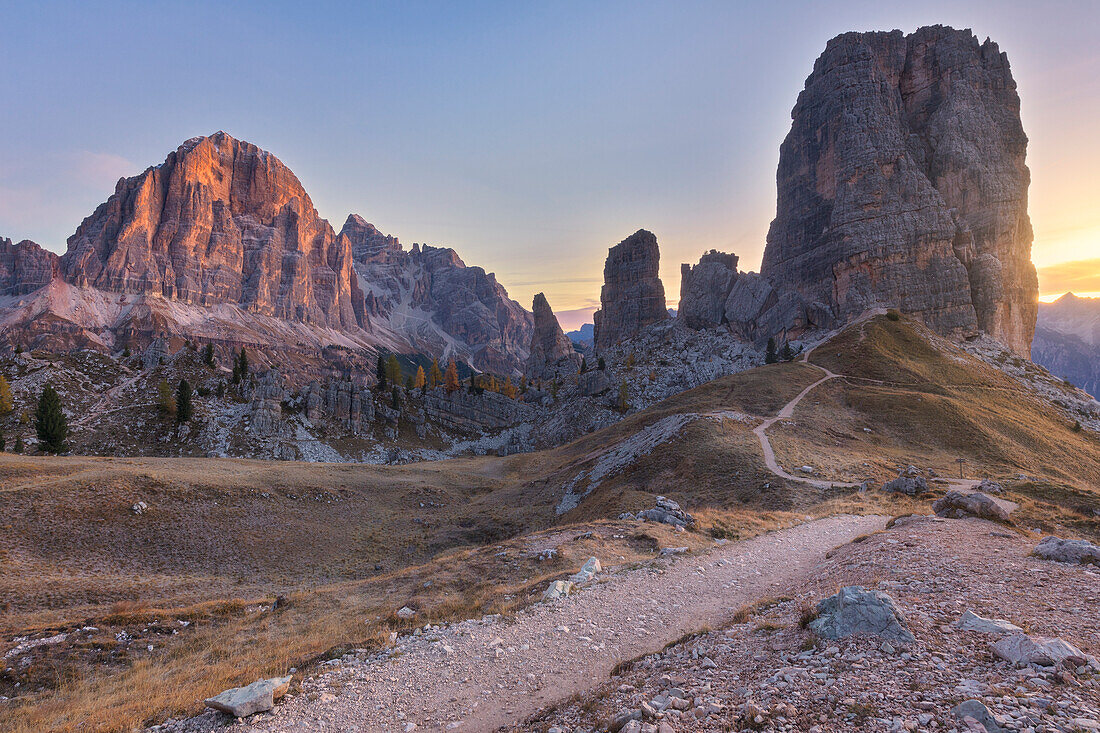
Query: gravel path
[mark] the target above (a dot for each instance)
(480, 675)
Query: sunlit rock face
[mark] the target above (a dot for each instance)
(633, 295)
(902, 183)
(219, 221)
(25, 267)
(552, 353)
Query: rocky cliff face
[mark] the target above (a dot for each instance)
(902, 183)
(1067, 340)
(704, 289)
(220, 243)
(25, 267)
(220, 221)
(429, 298)
(552, 353)
(632, 296)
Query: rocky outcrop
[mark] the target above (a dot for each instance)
(266, 410)
(462, 410)
(902, 183)
(25, 267)
(632, 296)
(704, 289)
(552, 353)
(856, 610)
(959, 504)
(343, 401)
(220, 221)
(1070, 551)
(428, 298)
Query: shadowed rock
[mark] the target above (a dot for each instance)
(552, 353)
(856, 610)
(632, 296)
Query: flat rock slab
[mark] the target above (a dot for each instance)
(961, 503)
(856, 610)
(971, 621)
(258, 697)
(1024, 649)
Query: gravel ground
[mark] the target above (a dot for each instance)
(484, 674)
(768, 673)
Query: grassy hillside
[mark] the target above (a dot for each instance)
(348, 544)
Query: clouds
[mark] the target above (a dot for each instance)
(1079, 276)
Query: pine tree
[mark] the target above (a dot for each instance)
(18, 447)
(450, 379)
(509, 390)
(523, 384)
(623, 394)
(49, 421)
(435, 377)
(786, 354)
(219, 391)
(166, 403)
(630, 360)
(380, 373)
(393, 371)
(126, 353)
(770, 356)
(396, 397)
(409, 383)
(208, 355)
(584, 365)
(244, 365)
(420, 380)
(183, 402)
(6, 402)
(554, 389)
(601, 364)
(2, 441)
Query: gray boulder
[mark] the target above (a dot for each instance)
(976, 711)
(1023, 649)
(667, 511)
(1071, 551)
(990, 487)
(258, 697)
(856, 610)
(558, 589)
(906, 484)
(957, 504)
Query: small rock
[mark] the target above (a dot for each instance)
(971, 621)
(240, 702)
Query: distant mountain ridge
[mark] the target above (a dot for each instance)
(221, 243)
(1067, 340)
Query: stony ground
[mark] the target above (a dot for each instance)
(552, 669)
(768, 673)
(484, 674)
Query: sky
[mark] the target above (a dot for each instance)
(528, 136)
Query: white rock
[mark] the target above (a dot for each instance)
(971, 621)
(258, 697)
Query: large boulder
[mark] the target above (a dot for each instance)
(910, 485)
(856, 610)
(902, 183)
(1071, 551)
(1023, 649)
(666, 511)
(258, 697)
(958, 504)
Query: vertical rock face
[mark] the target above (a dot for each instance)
(902, 183)
(429, 298)
(25, 267)
(704, 289)
(552, 353)
(632, 296)
(220, 221)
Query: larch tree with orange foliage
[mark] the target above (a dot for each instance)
(450, 379)
(420, 380)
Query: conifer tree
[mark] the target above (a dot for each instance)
(770, 356)
(219, 391)
(630, 360)
(623, 394)
(18, 447)
(396, 397)
(420, 380)
(509, 390)
(6, 402)
(208, 355)
(126, 353)
(183, 402)
(450, 379)
(49, 421)
(554, 389)
(434, 375)
(2, 441)
(584, 365)
(244, 364)
(786, 354)
(380, 373)
(166, 403)
(601, 364)
(393, 371)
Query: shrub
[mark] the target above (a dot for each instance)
(893, 315)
